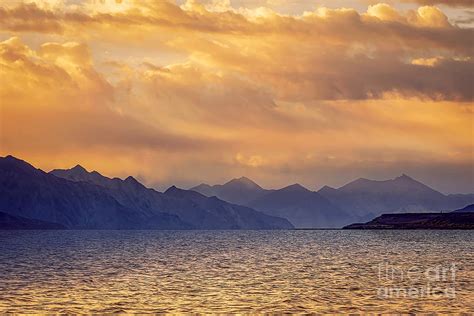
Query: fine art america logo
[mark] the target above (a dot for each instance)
(417, 281)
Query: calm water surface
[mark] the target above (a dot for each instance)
(236, 271)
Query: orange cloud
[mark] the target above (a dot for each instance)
(53, 100)
(182, 93)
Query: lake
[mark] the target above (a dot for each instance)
(331, 271)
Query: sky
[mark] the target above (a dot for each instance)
(281, 91)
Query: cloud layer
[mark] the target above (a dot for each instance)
(206, 91)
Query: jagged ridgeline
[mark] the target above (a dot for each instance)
(77, 199)
(358, 201)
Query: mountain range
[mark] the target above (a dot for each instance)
(302, 207)
(357, 201)
(370, 198)
(78, 199)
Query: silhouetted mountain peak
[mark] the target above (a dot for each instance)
(295, 188)
(11, 159)
(362, 180)
(239, 191)
(243, 182)
(171, 189)
(79, 168)
(202, 186)
(404, 177)
(326, 188)
(96, 174)
(181, 193)
(77, 173)
(204, 189)
(175, 190)
(401, 183)
(11, 162)
(131, 180)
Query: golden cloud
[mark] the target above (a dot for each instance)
(326, 59)
(54, 100)
(181, 92)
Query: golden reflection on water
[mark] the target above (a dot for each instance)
(231, 271)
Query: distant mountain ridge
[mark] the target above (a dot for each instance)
(197, 210)
(242, 213)
(359, 200)
(79, 199)
(302, 207)
(402, 194)
(239, 191)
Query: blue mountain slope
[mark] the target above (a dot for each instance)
(10, 222)
(370, 198)
(34, 194)
(302, 207)
(196, 210)
(242, 216)
(240, 191)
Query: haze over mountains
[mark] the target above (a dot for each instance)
(302, 207)
(359, 200)
(79, 199)
(238, 191)
(366, 197)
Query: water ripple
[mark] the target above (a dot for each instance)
(229, 271)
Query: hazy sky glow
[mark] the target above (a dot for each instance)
(281, 91)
